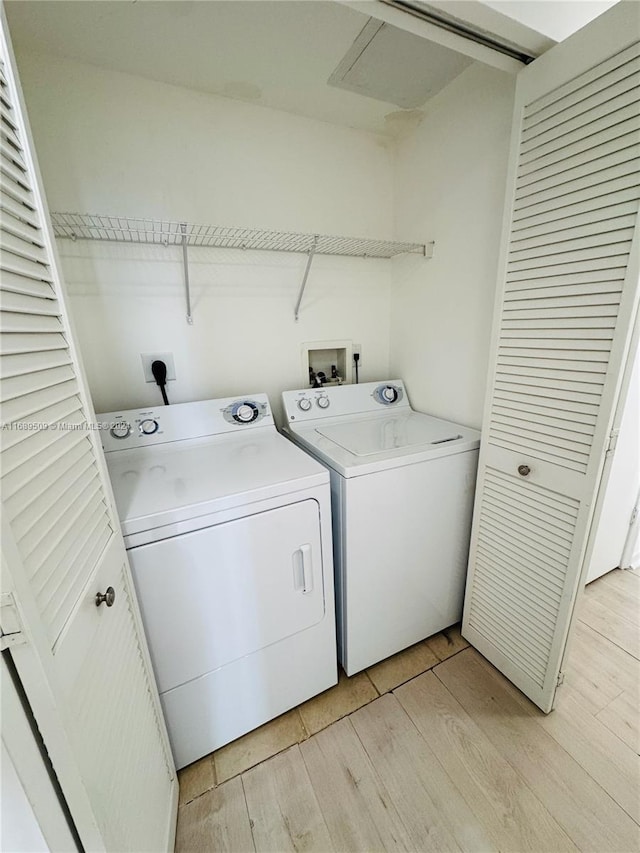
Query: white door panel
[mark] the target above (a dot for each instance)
(85, 670)
(213, 596)
(563, 326)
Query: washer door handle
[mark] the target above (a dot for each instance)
(303, 569)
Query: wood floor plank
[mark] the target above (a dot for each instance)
(613, 764)
(626, 582)
(598, 669)
(590, 818)
(284, 813)
(217, 820)
(619, 597)
(509, 810)
(358, 810)
(434, 812)
(621, 717)
(625, 633)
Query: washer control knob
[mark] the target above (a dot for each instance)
(148, 426)
(389, 394)
(304, 404)
(323, 402)
(121, 429)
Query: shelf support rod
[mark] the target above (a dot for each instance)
(312, 252)
(185, 263)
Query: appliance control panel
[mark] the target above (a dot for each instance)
(143, 427)
(312, 404)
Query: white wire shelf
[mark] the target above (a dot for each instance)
(123, 229)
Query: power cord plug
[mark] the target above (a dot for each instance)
(356, 360)
(159, 370)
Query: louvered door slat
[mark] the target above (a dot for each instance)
(14, 322)
(21, 407)
(602, 324)
(578, 156)
(545, 389)
(609, 70)
(22, 499)
(23, 246)
(16, 191)
(21, 265)
(68, 410)
(28, 468)
(13, 172)
(21, 386)
(593, 144)
(599, 235)
(589, 100)
(18, 210)
(504, 408)
(11, 153)
(23, 303)
(16, 283)
(539, 585)
(541, 532)
(567, 216)
(26, 343)
(5, 116)
(40, 508)
(45, 556)
(58, 516)
(588, 184)
(608, 127)
(609, 109)
(55, 599)
(33, 362)
(13, 223)
(583, 412)
(572, 171)
(601, 193)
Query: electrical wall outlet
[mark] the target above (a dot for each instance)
(149, 358)
(357, 350)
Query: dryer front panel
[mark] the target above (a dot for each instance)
(212, 596)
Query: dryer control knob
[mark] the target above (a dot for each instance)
(245, 413)
(389, 394)
(304, 404)
(148, 426)
(323, 402)
(121, 429)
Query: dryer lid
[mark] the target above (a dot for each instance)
(372, 436)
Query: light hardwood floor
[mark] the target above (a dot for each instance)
(455, 759)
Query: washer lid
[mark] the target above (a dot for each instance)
(369, 437)
(182, 480)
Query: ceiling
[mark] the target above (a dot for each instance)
(276, 53)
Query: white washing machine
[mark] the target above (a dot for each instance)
(228, 530)
(402, 487)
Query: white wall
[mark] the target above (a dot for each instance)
(115, 143)
(622, 485)
(450, 185)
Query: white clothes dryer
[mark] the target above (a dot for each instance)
(228, 531)
(402, 488)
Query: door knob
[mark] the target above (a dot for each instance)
(107, 597)
(523, 470)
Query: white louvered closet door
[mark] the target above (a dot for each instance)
(85, 669)
(570, 275)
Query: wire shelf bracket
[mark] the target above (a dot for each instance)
(123, 229)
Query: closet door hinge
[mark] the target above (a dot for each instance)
(560, 679)
(613, 440)
(10, 623)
